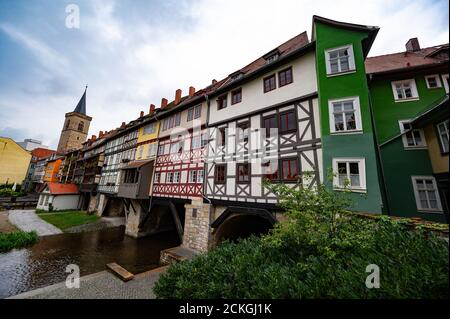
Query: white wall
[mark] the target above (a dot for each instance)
(254, 98)
(59, 202)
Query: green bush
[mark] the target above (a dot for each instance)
(18, 239)
(321, 251)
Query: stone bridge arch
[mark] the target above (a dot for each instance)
(241, 222)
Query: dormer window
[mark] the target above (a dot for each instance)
(272, 56)
(236, 76)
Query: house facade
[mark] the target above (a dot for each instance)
(57, 196)
(14, 162)
(404, 86)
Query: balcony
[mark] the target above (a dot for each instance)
(97, 170)
(88, 188)
(136, 180)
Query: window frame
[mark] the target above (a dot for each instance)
(357, 110)
(201, 173)
(216, 170)
(223, 137)
(281, 172)
(197, 114)
(414, 92)
(157, 179)
(351, 60)
(438, 81)
(405, 139)
(190, 114)
(280, 126)
(438, 133)
(242, 127)
(249, 169)
(361, 169)
(176, 173)
(445, 80)
(234, 93)
(274, 76)
(277, 172)
(220, 102)
(276, 123)
(419, 207)
(284, 71)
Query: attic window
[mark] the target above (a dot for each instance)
(272, 58)
(236, 76)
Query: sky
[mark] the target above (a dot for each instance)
(132, 53)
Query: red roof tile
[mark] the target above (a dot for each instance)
(41, 152)
(405, 60)
(62, 189)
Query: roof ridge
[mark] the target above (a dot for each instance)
(402, 52)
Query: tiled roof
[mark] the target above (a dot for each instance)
(284, 49)
(405, 60)
(62, 189)
(41, 152)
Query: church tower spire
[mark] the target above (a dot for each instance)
(76, 127)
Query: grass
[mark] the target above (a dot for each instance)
(17, 239)
(64, 220)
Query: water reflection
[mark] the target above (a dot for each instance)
(45, 263)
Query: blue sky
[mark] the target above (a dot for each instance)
(134, 52)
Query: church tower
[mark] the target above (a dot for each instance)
(76, 127)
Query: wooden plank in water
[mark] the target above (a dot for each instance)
(120, 272)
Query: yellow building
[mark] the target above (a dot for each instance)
(14, 161)
(147, 143)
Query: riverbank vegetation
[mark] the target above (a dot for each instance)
(320, 251)
(18, 239)
(67, 219)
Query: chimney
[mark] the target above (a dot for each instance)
(191, 91)
(123, 125)
(152, 108)
(93, 138)
(100, 134)
(141, 114)
(214, 81)
(163, 103)
(177, 97)
(412, 45)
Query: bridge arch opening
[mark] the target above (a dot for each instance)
(240, 226)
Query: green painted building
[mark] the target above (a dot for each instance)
(348, 139)
(404, 86)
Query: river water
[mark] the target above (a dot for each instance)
(45, 263)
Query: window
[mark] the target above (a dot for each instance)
(269, 83)
(243, 132)
(221, 136)
(194, 112)
(445, 80)
(405, 90)
(46, 200)
(177, 119)
(433, 81)
(222, 102)
(196, 142)
(131, 176)
(219, 174)
(236, 96)
(272, 58)
(157, 177)
(176, 147)
(150, 128)
(442, 129)
(141, 150)
(426, 193)
(200, 176)
(81, 126)
(68, 124)
(173, 121)
(204, 139)
(289, 169)
(345, 115)
(340, 60)
(270, 122)
(285, 77)
(192, 176)
(270, 170)
(176, 177)
(161, 150)
(243, 173)
(349, 172)
(412, 138)
(151, 150)
(169, 177)
(287, 122)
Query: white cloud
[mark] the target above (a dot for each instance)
(130, 62)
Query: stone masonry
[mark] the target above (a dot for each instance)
(197, 229)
